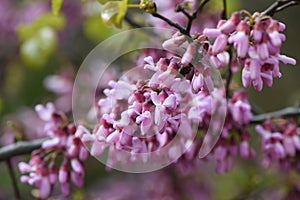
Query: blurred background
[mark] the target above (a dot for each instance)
(40, 52)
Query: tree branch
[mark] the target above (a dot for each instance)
(224, 11)
(194, 15)
(191, 18)
(177, 26)
(279, 5)
(229, 74)
(26, 147)
(286, 112)
(20, 148)
(13, 179)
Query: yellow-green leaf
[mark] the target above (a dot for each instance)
(26, 31)
(36, 50)
(102, 1)
(56, 5)
(113, 13)
(95, 30)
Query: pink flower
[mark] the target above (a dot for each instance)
(145, 119)
(45, 113)
(172, 44)
(230, 25)
(63, 140)
(44, 187)
(280, 143)
(220, 44)
(77, 179)
(240, 39)
(189, 54)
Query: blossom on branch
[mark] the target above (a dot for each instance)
(42, 168)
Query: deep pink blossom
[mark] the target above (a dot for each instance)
(63, 140)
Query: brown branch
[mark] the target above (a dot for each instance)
(26, 147)
(279, 5)
(19, 148)
(179, 8)
(191, 18)
(194, 15)
(175, 25)
(286, 112)
(229, 74)
(224, 11)
(13, 179)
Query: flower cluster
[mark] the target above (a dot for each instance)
(141, 116)
(257, 41)
(42, 167)
(234, 138)
(238, 108)
(280, 143)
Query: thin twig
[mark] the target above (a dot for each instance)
(255, 109)
(175, 25)
(286, 112)
(19, 148)
(229, 74)
(279, 5)
(181, 9)
(224, 12)
(194, 15)
(185, 31)
(13, 179)
(228, 81)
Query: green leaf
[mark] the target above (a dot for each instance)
(36, 50)
(56, 5)
(113, 13)
(25, 32)
(95, 30)
(102, 1)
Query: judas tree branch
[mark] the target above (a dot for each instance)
(278, 6)
(286, 112)
(19, 148)
(173, 24)
(224, 11)
(26, 147)
(195, 14)
(13, 179)
(191, 18)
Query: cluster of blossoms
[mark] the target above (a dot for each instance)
(142, 116)
(280, 143)
(234, 137)
(145, 115)
(238, 108)
(257, 41)
(42, 167)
